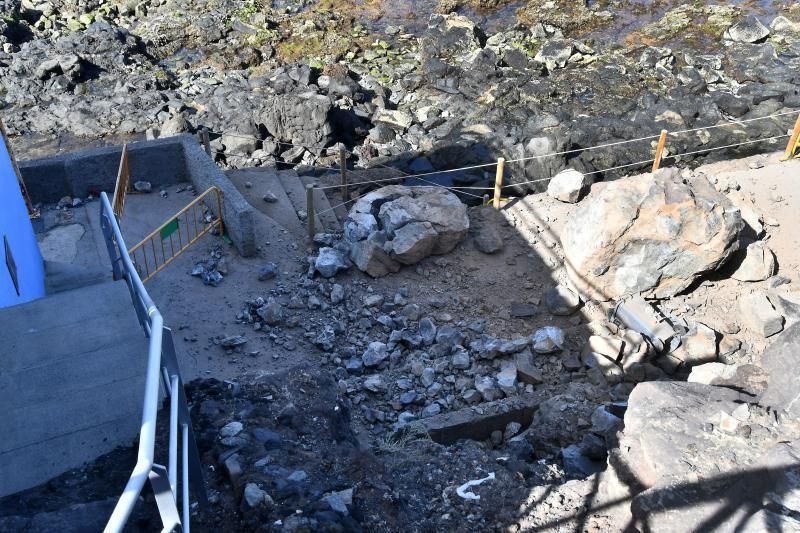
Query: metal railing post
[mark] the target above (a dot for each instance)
(173, 434)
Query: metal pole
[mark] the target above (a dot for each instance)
(173, 436)
(660, 150)
(312, 230)
(343, 170)
(498, 181)
(185, 475)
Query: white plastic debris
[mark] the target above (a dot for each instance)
(469, 495)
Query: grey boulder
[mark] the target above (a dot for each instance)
(568, 185)
(649, 234)
(758, 263)
(747, 30)
(781, 361)
(397, 225)
(330, 261)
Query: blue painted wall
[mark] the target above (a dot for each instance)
(16, 226)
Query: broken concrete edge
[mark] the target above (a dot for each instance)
(161, 162)
(478, 423)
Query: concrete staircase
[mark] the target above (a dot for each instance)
(72, 370)
(290, 190)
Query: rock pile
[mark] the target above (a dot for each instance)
(399, 225)
(714, 454)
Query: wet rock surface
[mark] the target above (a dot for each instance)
(455, 91)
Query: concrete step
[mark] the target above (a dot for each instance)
(296, 191)
(72, 369)
(335, 199)
(60, 277)
(265, 180)
(330, 221)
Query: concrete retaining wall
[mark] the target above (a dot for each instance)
(161, 162)
(237, 213)
(87, 172)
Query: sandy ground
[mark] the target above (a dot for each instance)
(463, 286)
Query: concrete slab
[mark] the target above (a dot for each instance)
(478, 423)
(60, 244)
(265, 181)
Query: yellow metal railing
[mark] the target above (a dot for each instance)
(175, 235)
(123, 184)
(794, 141)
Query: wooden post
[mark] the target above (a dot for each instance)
(794, 139)
(343, 170)
(219, 213)
(312, 230)
(660, 150)
(123, 185)
(498, 181)
(206, 140)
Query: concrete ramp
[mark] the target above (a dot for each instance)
(72, 370)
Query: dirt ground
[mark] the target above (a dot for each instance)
(314, 420)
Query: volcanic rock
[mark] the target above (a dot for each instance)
(649, 234)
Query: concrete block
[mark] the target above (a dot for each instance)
(239, 216)
(478, 424)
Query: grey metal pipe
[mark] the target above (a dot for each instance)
(173, 435)
(185, 475)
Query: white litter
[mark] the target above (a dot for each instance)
(469, 495)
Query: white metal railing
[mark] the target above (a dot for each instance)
(161, 365)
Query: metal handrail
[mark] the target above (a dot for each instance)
(161, 364)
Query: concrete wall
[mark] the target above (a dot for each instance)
(79, 174)
(237, 213)
(15, 226)
(161, 162)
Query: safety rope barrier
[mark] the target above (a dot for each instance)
(734, 123)
(754, 141)
(499, 165)
(541, 156)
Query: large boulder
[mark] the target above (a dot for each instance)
(757, 263)
(300, 119)
(781, 361)
(568, 185)
(699, 454)
(747, 30)
(398, 225)
(537, 164)
(650, 234)
(450, 38)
